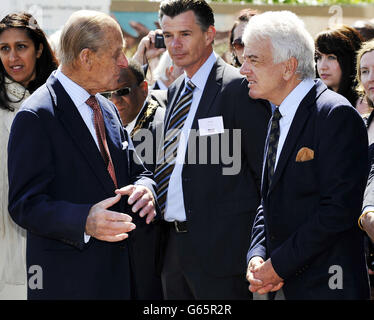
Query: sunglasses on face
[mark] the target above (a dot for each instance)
(120, 92)
(238, 44)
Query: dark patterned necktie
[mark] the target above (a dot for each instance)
(101, 136)
(166, 160)
(273, 143)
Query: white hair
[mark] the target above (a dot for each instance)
(288, 36)
(84, 29)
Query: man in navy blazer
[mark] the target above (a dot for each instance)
(305, 242)
(60, 188)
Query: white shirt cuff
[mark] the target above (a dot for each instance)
(86, 238)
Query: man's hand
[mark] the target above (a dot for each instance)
(108, 225)
(146, 49)
(254, 284)
(140, 197)
(262, 276)
(368, 224)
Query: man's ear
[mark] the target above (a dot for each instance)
(210, 34)
(290, 67)
(86, 58)
(144, 88)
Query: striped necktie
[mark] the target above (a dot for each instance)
(273, 143)
(166, 160)
(101, 136)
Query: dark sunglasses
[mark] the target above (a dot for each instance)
(120, 92)
(238, 44)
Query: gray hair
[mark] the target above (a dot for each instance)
(288, 36)
(84, 29)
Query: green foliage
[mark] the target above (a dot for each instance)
(301, 2)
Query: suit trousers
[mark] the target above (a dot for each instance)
(184, 278)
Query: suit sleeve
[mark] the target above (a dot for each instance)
(31, 170)
(258, 239)
(342, 169)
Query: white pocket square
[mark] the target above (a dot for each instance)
(125, 144)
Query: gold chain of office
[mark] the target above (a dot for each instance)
(151, 109)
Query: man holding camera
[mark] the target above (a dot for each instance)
(205, 228)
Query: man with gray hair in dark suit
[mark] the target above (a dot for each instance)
(305, 241)
(68, 196)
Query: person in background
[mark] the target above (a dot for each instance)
(365, 28)
(81, 185)
(26, 61)
(365, 89)
(312, 186)
(365, 84)
(165, 73)
(140, 108)
(148, 55)
(236, 44)
(336, 60)
(365, 77)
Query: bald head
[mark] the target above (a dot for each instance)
(84, 29)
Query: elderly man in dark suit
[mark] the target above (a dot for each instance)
(208, 203)
(305, 242)
(68, 155)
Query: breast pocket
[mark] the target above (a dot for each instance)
(305, 175)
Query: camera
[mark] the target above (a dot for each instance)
(159, 41)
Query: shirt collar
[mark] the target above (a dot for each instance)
(75, 91)
(289, 105)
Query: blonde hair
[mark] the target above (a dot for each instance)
(84, 29)
(365, 48)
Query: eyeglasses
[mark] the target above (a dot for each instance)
(120, 92)
(238, 44)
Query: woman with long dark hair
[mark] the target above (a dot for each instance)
(26, 61)
(336, 60)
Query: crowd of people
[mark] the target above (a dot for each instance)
(243, 179)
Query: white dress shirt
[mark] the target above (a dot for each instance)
(175, 209)
(288, 109)
(79, 97)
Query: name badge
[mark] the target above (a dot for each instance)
(209, 126)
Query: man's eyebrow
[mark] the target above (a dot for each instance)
(251, 56)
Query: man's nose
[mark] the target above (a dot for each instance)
(245, 68)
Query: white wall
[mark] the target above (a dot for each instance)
(52, 14)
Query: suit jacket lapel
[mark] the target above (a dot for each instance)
(71, 119)
(301, 116)
(113, 129)
(264, 177)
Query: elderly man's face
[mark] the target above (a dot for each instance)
(108, 61)
(264, 76)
